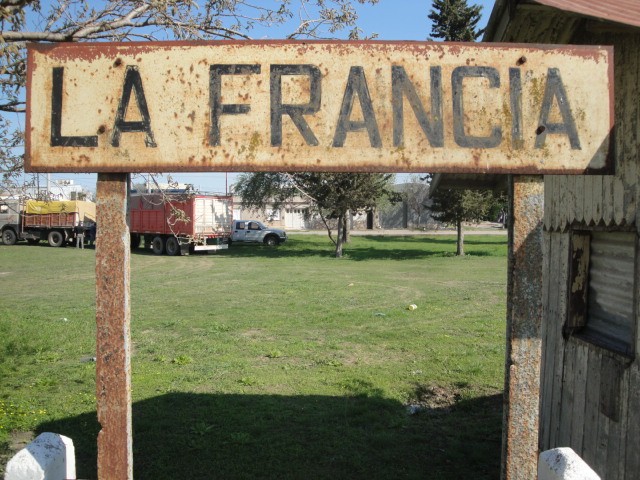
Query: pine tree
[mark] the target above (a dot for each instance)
(455, 20)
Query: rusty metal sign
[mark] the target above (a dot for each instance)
(323, 106)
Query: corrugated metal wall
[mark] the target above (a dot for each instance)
(611, 290)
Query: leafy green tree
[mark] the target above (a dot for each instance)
(333, 195)
(455, 20)
(24, 21)
(457, 206)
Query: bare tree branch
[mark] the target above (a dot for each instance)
(13, 107)
(126, 21)
(24, 21)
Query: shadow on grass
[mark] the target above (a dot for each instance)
(350, 252)
(204, 436)
(362, 248)
(470, 239)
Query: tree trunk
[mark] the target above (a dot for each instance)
(339, 239)
(460, 248)
(345, 229)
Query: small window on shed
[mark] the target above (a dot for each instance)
(601, 290)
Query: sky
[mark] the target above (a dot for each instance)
(389, 19)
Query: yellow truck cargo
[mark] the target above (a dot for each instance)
(58, 222)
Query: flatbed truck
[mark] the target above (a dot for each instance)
(58, 222)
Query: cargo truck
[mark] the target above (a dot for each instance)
(58, 222)
(179, 224)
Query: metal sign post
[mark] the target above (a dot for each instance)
(113, 349)
(524, 320)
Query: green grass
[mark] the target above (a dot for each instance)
(272, 363)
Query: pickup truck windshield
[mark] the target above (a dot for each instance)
(256, 226)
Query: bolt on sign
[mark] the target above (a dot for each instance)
(323, 106)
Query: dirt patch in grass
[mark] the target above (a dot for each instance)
(257, 334)
(443, 399)
(435, 398)
(19, 440)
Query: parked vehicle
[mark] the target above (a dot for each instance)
(58, 222)
(179, 224)
(256, 232)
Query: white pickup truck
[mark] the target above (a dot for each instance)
(256, 232)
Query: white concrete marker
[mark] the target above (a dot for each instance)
(49, 457)
(564, 464)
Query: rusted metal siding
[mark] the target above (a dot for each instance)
(507, 13)
(626, 12)
(356, 106)
(531, 23)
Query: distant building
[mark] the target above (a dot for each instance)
(296, 214)
(412, 212)
(58, 189)
(153, 187)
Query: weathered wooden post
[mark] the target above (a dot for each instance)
(113, 342)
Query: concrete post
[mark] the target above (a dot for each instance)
(49, 457)
(564, 464)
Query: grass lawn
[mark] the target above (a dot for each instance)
(277, 363)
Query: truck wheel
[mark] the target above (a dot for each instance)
(172, 246)
(55, 238)
(157, 245)
(9, 237)
(271, 240)
(135, 241)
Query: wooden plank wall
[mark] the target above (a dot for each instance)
(590, 397)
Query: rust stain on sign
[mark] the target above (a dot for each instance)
(324, 106)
